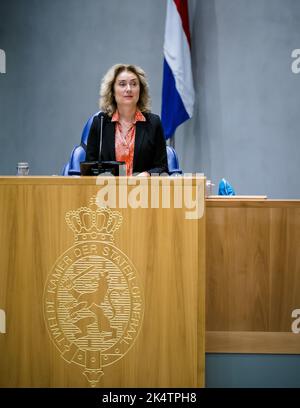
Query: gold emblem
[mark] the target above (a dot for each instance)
(93, 300)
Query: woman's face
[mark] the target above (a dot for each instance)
(127, 89)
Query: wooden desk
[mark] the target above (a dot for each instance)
(253, 275)
(125, 310)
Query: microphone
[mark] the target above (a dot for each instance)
(101, 136)
(95, 168)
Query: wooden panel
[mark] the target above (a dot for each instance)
(253, 269)
(284, 266)
(252, 342)
(163, 247)
(237, 269)
(234, 203)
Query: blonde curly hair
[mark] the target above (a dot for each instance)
(107, 102)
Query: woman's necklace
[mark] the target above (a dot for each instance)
(124, 131)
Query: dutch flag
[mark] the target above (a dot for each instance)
(178, 90)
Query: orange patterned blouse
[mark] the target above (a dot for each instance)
(124, 140)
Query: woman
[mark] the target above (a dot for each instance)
(130, 132)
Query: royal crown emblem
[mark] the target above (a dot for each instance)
(93, 300)
(96, 224)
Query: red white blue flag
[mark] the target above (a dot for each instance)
(178, 90)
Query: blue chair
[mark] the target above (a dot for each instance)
(72, 168)
(173, 162)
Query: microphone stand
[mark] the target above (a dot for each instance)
(101, 137)
(112, 167)
(102, 167)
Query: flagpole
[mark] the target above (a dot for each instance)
(171, 141)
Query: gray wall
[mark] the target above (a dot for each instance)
(57, 52)
(252, 370)
(245, 126)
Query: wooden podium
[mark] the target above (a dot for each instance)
(94, 297)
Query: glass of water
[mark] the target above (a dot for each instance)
(22, 169)
(209, 188)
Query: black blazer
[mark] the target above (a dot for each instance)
(149, 147)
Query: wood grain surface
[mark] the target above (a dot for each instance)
(253, 274)
(162, 245)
